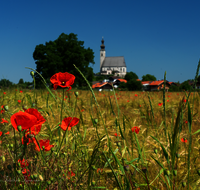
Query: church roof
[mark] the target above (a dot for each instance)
(114, 62)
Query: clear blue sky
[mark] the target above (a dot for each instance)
(154, 36)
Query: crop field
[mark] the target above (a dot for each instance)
(60, 139)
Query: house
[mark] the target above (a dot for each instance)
(111, 64)
(107, 84)
(191, 83)
(155, 85)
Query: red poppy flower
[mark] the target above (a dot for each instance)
(4, 121)
(167, 100)
(184, 140)
(7, 133)
(1, 133)
(44, 143)
(19, 101)
(23, 163)
(160, 104)
(169, 96)
(20, 91)
(82, 110)
(4, 92)
(116, 134)
(186, 121)
(184, 100)
(127, 100)
(140, 105)
(136, 129)
(177, 94)
(63, 80)
(30, 118)
(136, 95)
(68, 123)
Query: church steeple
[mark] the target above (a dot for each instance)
(102, 54)
(102, 45)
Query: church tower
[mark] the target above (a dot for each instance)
(102, 53)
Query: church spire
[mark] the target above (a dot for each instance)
(102, 45)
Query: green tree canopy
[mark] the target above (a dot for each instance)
(21, 81)
(5, 83)
(130, 75)
(134, 85)
(185, 86)
(60, 55)
(148, 77)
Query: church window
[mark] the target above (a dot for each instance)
(102, 54)
(123, 69)
(120, 69)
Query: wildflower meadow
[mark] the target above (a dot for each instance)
(62, 138)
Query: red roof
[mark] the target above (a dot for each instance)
(122, 80)
(97, 85)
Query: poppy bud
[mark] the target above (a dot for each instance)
(6, 107)
(183, 184)
(49, 182)
(24, 107)
(19, 127)
(11, 145)
(3, 158)
(95, 121)
(167, 172)
(76, 94)
(32, 177)
(43, 147)
(19, 172)
(175, 172)
(93, 167)
(93, 182)
(32, 73)
(155, 151)
(51, 178)
(35, 176)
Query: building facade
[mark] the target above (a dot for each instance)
(108, 65)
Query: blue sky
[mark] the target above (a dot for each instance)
(153, 36)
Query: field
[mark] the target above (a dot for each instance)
(116, 140)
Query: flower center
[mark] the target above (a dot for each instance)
(63, 83)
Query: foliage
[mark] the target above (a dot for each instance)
(130, 75)
(133, 85)
(5, 83)
(60, 55)
(148, 77)
(21, 81)
(185, 86)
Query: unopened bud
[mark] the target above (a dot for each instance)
(32, 73)
(175, 172)
(183, 184)
(3, 158)
(155, 151)
(49, 182)
(167, 172)
(6, 107)
(76, 94)
(95, 121)
(19, 127)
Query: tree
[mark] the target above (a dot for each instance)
(130, 75)
(148, 77)
(21, 81)
(60, 55)
(5, 83)
(134, 85)
(185, 86)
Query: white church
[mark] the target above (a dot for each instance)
(109, 64)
